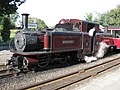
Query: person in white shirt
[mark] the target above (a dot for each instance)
(92, 34)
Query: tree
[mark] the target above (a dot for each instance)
(13, 19)
(110, 18)
(40, 23)
(5, 33)
(89, 17)
(8, 7)
(114, 16)
(1, 26)
(102, 19)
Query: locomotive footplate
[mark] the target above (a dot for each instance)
(45, 52)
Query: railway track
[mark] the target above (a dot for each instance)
(4, 71)
(69, 79)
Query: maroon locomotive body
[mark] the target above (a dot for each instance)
(68, 40)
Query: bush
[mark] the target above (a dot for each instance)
(5, 32)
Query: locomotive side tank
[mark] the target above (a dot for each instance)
(66, 41)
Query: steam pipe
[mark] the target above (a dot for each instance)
(25, 21)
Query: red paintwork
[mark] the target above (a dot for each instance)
(31, 60)
(115, 39)
(40, 38)
(74, 21)
(84, 24)
(63, 21)
(113, 28)
(117, 42)
(108, 40)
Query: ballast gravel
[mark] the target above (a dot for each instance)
(13, 83)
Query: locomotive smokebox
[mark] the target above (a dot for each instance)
(25, 21)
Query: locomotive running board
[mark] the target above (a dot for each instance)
(45, 52)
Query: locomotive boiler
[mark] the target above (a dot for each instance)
(68, 40)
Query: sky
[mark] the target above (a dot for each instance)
(51, 11)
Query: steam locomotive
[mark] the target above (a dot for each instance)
(68, 40)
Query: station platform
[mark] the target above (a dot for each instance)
(106, 81)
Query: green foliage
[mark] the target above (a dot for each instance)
(12, 33)
(114, 16)
(1, 18)
(9, 6)
(5, 32)
(1, 24)
(89, 17)
(102, 19)
(110, 18)
(13, 19)
(40, 24)
(1, 27)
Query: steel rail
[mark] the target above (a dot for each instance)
(74, 77)
(88, 79)
(5, 71)
(3, 67)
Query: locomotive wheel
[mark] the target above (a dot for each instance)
(25, 63)
(43, 64)
(62, 61)
(65, 60)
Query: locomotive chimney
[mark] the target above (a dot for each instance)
(25, 21)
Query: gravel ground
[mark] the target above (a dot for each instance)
(23, 80)
(4, 55)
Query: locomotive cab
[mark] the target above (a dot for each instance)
(66, 26)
